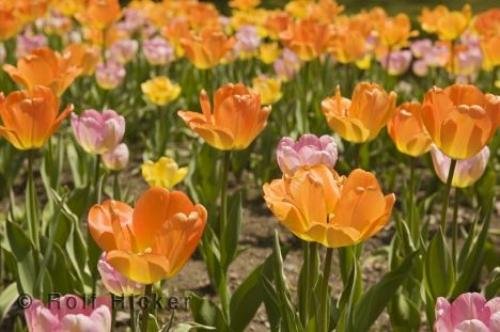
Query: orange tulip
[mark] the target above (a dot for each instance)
(101, 14)
(395, 31)
(43, 67)
(348, 46)
(360, 119)
(236, 120)
(487, 23)
(318, 205)
(82, 56)
(276, 23)
(429, 18)
(307, 38)
(29, 118)
(407, 130)
(10, 24)
(207, 49)
(152, 241)
(176, 30)
(491, 52)
(460, 119)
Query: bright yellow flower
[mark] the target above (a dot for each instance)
(160, 90)
(164, 173)
(448, 25)
(269, 52)
(269, 89)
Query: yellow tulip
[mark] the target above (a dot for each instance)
(160, 90)
(269, 52)
(164, 173)
(269, 89)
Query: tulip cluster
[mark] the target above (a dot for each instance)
(369, 136)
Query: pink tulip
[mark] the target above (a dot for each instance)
(124, 50)
(309, 150)
(398, 62)
(115, 282)
(467, 171)
(420, 68)
(110, 74)
(70, 313)
(96, 132)
(158, 51)
(28, 42)
(247, 39)
(116, 159)
(287, 65)
(469, 312)
(420, 47)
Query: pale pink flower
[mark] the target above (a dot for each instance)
(287, 65)
(467, 171)
(309, 150)
(70, 313)
(421, 47)
(398, 62)
(28, 42)
(110, 74)
(115, 282)
(468, 313)
(116, 159)
(97, 132)
(247, 40)
(123, 51)
(158, 51)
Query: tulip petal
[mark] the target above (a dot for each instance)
(145, 268)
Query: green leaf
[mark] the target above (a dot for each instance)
(438, 267)
(473, 263)
(7, 297)
(22, 249)
(205, 312)
(192, 326)
(249, 295)
(290, 320)
(229, 241)
(492, 289)
(374, 301)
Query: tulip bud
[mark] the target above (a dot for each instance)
(110, 74)
(160, 90)
(116, 283)
(309, 150)
(116, 159)
(96, 132)
(158, 51)
(164, 173)
(467, 171)
(69, 313)
(469, 312)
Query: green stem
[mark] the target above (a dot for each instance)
(32, 213)
(116, 186)
(224, 292)
(307, 283)
(97, 183)
(223, 193)
(324, 316)
(131, 309)
(148, 293)
(413, 227)
(446, 197)
(455, 230)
